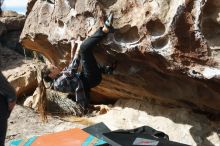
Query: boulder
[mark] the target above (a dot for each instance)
(167, 50)
(10, 31)
(185, 127)
(56, 103)
(12, 20)
(22, 78)
(20, 72)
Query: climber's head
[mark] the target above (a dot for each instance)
(49, 73)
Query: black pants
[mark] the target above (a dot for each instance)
(4, 113)
(91, 74)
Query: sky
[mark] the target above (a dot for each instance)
(15, 5)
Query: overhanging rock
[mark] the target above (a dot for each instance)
(164, 49)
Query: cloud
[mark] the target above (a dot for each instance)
(20, 10)
(15, 3)
(23, 13)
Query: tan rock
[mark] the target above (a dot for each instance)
(166, 50)
(11, 25)
(12, 20)
(181, 125)
(32, 101)
(55, 103)
(22, 78)
(20, 72)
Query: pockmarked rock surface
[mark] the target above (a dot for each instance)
(20, 70)
(167, 50)
(180, 124)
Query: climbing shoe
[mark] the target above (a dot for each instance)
(108, 23)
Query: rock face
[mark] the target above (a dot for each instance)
(167, 50)
(21, 73)
(11, 26)
(185, 127)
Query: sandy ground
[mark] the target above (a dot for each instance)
(182, 125)
(25, 123)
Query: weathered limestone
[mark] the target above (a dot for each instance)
(165, 49)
